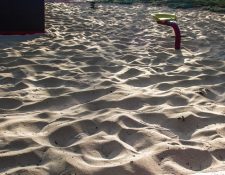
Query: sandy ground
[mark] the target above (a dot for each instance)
(103, 92)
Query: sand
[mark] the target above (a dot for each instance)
(103, 92)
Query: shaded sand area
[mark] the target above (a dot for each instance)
(104, 93)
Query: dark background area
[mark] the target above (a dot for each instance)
(22, 16)
(212, 5)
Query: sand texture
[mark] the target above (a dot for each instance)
(103, 92)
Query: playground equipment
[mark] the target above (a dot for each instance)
(19, 17)
(169, 20)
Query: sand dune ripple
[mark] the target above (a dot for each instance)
(103, 92)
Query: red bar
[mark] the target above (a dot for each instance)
(176, 29)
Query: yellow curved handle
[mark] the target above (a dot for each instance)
(164, 17)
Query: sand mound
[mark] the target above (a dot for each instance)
(103, 92)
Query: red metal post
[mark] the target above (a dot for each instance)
(176, 29)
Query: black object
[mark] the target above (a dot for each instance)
(92, 3)
(22, 16)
